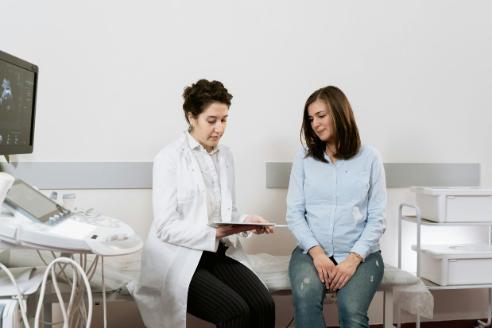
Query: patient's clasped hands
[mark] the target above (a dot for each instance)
(333, 276)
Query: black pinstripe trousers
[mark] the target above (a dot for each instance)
(228, 294)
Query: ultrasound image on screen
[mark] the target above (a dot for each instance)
(16, 102)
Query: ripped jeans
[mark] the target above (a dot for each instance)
(353, 299)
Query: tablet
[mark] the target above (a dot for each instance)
(237, 224)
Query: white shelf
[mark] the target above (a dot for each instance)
(432, 286)
(419, 222)
(413, 219)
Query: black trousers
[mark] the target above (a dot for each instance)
(228, 294)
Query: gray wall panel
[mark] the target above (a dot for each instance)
(398, 175)
(401, 175)
(138, 175)
(277, 174)
(83, 175)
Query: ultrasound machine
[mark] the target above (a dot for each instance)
(30, 219)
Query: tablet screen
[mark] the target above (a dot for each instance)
(225, 224)
(32, 202)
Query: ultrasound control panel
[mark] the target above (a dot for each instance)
(30, 219)
(34, 204)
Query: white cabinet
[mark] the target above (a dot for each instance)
(450, 266)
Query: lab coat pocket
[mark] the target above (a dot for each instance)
(186, 201)
(187, 191)
(186, 195)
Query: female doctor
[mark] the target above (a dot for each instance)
(187, 265)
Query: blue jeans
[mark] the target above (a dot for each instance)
(353, 299)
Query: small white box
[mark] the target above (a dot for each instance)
(454, 204)
(456, 264)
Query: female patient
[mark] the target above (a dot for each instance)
(187, 265)
(335, 209)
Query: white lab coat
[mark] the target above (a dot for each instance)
(180, 233)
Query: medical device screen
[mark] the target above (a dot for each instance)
(18, 83)
(32, 202)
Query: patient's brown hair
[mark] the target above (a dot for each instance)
(344, 127)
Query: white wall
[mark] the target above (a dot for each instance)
(418, 74)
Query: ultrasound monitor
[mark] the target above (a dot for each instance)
(18, 84)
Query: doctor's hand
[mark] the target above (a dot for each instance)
(224, 231)
(258, 219)
(344, 271)
(323, 264)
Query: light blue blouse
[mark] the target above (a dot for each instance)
(338, 206)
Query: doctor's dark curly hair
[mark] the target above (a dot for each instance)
(201, 94)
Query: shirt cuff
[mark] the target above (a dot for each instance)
(213, 244)
(231, 241)
(216, 245)
(361, 250)
(308, 245)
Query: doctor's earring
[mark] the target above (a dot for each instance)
(190, 128)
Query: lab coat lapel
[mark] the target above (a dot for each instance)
(194, 170)
(225, 193)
